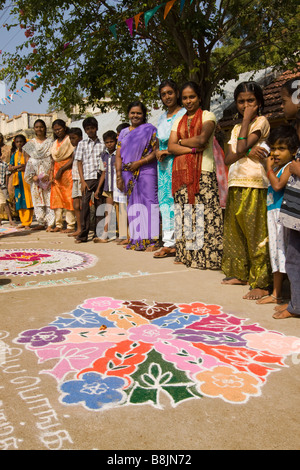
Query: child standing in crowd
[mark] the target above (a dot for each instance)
(108, 158)
(24, 204)
(90, 165)
(120, 202)
(246, 251)
(4, 176)
(75, 135)
(284, 143)
(290, 94)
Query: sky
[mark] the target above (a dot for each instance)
(23, 101)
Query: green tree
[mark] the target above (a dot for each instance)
(85, 49)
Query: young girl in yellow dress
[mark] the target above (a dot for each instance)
(246, 249)
(24, 204)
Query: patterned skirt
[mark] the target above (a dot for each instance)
(199, 226)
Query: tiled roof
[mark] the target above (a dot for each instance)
(272, 109)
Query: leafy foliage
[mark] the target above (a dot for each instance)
(83, 62)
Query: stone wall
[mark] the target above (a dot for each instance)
(22, 124)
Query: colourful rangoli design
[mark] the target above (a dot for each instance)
(111, 353)
(4, 230)
(42, 261)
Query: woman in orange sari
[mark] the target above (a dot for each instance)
(61, 189)
(198, 215)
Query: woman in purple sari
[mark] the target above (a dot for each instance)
(136, 169)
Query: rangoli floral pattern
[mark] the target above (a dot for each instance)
(111, 353)
(42, 261)
(4, 230)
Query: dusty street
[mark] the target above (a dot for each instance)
(104, 348)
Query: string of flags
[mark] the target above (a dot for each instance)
(130, 22)
(28, 84)
(135, 20)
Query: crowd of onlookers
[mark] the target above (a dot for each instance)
(162, 188)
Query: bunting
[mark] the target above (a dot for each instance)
(28, 84)
(147, 16)
(182, 2)
(130, 22)
(168, 7)
(113, 30)
(137, 19)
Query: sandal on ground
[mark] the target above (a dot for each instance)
(165, 252)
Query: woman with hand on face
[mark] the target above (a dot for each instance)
(198, 216)
(136, 170)
(246, 258)
(169, 94)
(38, 174)
(62, 183)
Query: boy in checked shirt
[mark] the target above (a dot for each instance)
(90, 167)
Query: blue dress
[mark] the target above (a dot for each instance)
(165, 198)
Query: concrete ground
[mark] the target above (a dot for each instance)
(32, 416)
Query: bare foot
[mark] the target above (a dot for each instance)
(280, 315)
(270, 299)
(280, 308)
(67, 230)
(74, 234)
(56, 229)
(123, 242)
(233, 281)
(100, 240)
(39, 227)
(255, 294)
